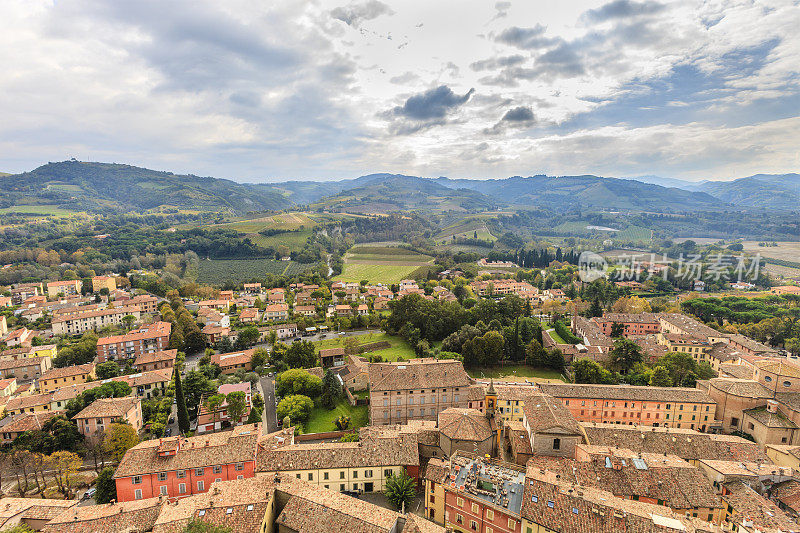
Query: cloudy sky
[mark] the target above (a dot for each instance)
(267, 91)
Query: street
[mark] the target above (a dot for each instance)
(269, 417)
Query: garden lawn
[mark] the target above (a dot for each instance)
(399, 346)
(515, 373)
(556, 337)
(321, 419)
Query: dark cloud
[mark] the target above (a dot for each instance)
(518, 117)
(354, 13)
(432, 104)
(497, 62)
(561, 61)
(622, 9)
(525, 38)
(518, 114)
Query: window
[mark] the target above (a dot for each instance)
(489, 514)
(367, 473)
(459, 519)
(297, 475)
(473, 525)
(460, 502)
(199, 471)
(181, 488)
(512, 523)
(137, 494)
(325, 476)
(475, 508)
(734, 421)
(787, 383)
(767, 378)
(217, 469)
(201, 486)
(310, 476)
(137, 480)
(239, 466)
(355, 474)
(387, 472)
(433, 498)
(556, 444)
(162, 476)
(242, 477)
(341, 476)
(163, 490)
(342, 487)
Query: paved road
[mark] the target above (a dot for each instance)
(269, 417)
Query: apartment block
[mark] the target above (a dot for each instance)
(147, 339)
(92, 320)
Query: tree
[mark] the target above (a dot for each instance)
(342, 422)
(64, 466)
(300, 354)
(535, 354)
(331, 390)
(260, 356)
(588, 371)
(631, 304)
(617, 330)
(793, 345)
(213, 404)
(128, 321)
(107, 370)
(118, 439)
(297, 407)
(180, 400)
(197, 386)
(350, 346)
(400, 489)
(595, 309)
(248, 336)
(106, 487)
(660, 377)
(237, 405)
(298, 381)
(624, 355)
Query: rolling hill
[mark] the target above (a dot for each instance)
(761, 191)
(104, 187)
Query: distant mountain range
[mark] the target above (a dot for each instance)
(106, 187)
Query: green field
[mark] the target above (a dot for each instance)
(375, 273)
(321, 419)
(37, 210)
(634, 233)
(294, 240)
(399, 348)
(218, 271)
(466, 229)
(381, 262)
(515, 372)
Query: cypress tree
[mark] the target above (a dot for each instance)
(183, 414)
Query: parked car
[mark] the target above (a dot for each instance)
(89, 494)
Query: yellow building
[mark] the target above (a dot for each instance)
(784, 455)
(32, 403)
(104, 282)
(56, 378)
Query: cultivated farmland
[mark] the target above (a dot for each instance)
(381, 263)
(218, 271)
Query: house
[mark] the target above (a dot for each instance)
(25, 369)
(305, 310)
(229, 363)
(219, 305)
(276, 296)
(67, 288)
(208, 421)
(101, 413)
(131, 517)
(5, 301)
(32, 513)
(276, 312)
(146, 303)
(29, 403)
(332, 357)
(252, 288)
(104, 282)
(355, 374)
(8, 386)
(155, 360)
(19, 336)
(21, 352)
(177, 467)
(70, 375)
(551, 426)
(145, 340)
(250, 315)
(23, 422)
(148, 384)
(78, 323)
(417, 389)
(283, 331)
(214, 334)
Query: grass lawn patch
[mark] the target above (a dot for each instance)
(375, 273)
(399, 346)
(515, 373)
(556, 337)
(321, 419)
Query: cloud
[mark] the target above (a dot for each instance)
(354, 13)
(497, 62)
(432, 104)
(518, 117)
(502, 9)
(526, 38)
(619, 9)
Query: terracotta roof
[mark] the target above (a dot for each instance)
(737, 371)
(746, 388)
(769, 419)
(630, 318)
(417, 524)
(226, 447)
(329, 352)
(415, 374)
(749, 505)
(545, 414)
(108, 407)
(788, 493)
(135, 516)
(126, 310)
(164, 355)
(690, 325)
(150, 331)
(19, 363)
(31, 508)
(779, 367)
(679, 488)
(77, 370)
(685, 443)
(464, 424)
(31, 400)
(626, 392)
(29, 421)
(233, 358)
(750, 344)
(371, 450)
(140, 379)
